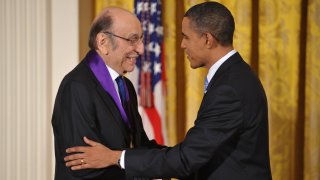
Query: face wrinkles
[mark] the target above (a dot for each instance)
(125, 55)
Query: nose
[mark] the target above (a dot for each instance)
(183, 46)
(140, 48)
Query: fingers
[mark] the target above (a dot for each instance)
(77, 149)
(82, 166)
(77, 162)
(74, 157)
(89, 142)
(77, 165)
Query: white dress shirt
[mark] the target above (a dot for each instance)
(114, 76)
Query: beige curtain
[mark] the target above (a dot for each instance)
(281, 41)
(311, 136)
(169, 25)
(279, 71)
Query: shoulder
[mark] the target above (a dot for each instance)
(79, 78)
(238, 74)
(78, 72)
(81, 74)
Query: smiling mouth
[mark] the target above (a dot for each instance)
(132, 60)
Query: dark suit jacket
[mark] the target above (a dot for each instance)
(84, 108)
(229, 139)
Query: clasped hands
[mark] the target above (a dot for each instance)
(93, 156)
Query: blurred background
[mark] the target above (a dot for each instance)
(42, 40)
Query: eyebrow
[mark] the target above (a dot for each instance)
(136, 35)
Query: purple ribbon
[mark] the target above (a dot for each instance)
(100, 70)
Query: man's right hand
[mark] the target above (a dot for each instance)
(93, 156)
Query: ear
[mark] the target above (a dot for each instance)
(211, 41)
(102, 43)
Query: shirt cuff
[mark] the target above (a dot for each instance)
(122, 159)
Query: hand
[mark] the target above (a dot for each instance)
(93, 156)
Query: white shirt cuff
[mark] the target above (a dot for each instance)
(122, 159)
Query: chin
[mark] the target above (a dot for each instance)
(129, 69)
(193, 66)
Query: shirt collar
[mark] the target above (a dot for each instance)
(213, 69)
(113, 73)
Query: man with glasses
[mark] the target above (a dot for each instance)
(96, 101)
(229, 139)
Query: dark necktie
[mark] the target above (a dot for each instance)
(123, 94)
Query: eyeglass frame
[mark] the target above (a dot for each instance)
(133, 42)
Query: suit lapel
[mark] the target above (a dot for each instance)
(110, 104)
(100, 71)
(108, 96)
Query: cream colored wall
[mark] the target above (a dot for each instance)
(65, 48)
(38, 46)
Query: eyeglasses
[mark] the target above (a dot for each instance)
(135, 40)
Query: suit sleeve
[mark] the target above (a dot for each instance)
(73, 118)
(219, 119)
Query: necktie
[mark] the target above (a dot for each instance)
(122, 90)
(206, 85)
(123, 95)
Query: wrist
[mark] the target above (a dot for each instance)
(118, 159)
(118, 163)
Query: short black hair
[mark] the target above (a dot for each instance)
(213, 18)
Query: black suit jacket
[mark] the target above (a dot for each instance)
(83, 108)
(229, 139)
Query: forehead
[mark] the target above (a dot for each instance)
(127, 24)
(185, 22)
(186, 26)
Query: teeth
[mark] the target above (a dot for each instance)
(132, 58)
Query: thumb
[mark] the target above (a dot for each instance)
(89, 142)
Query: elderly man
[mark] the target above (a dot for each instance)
(229, 139)
(95, 99)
